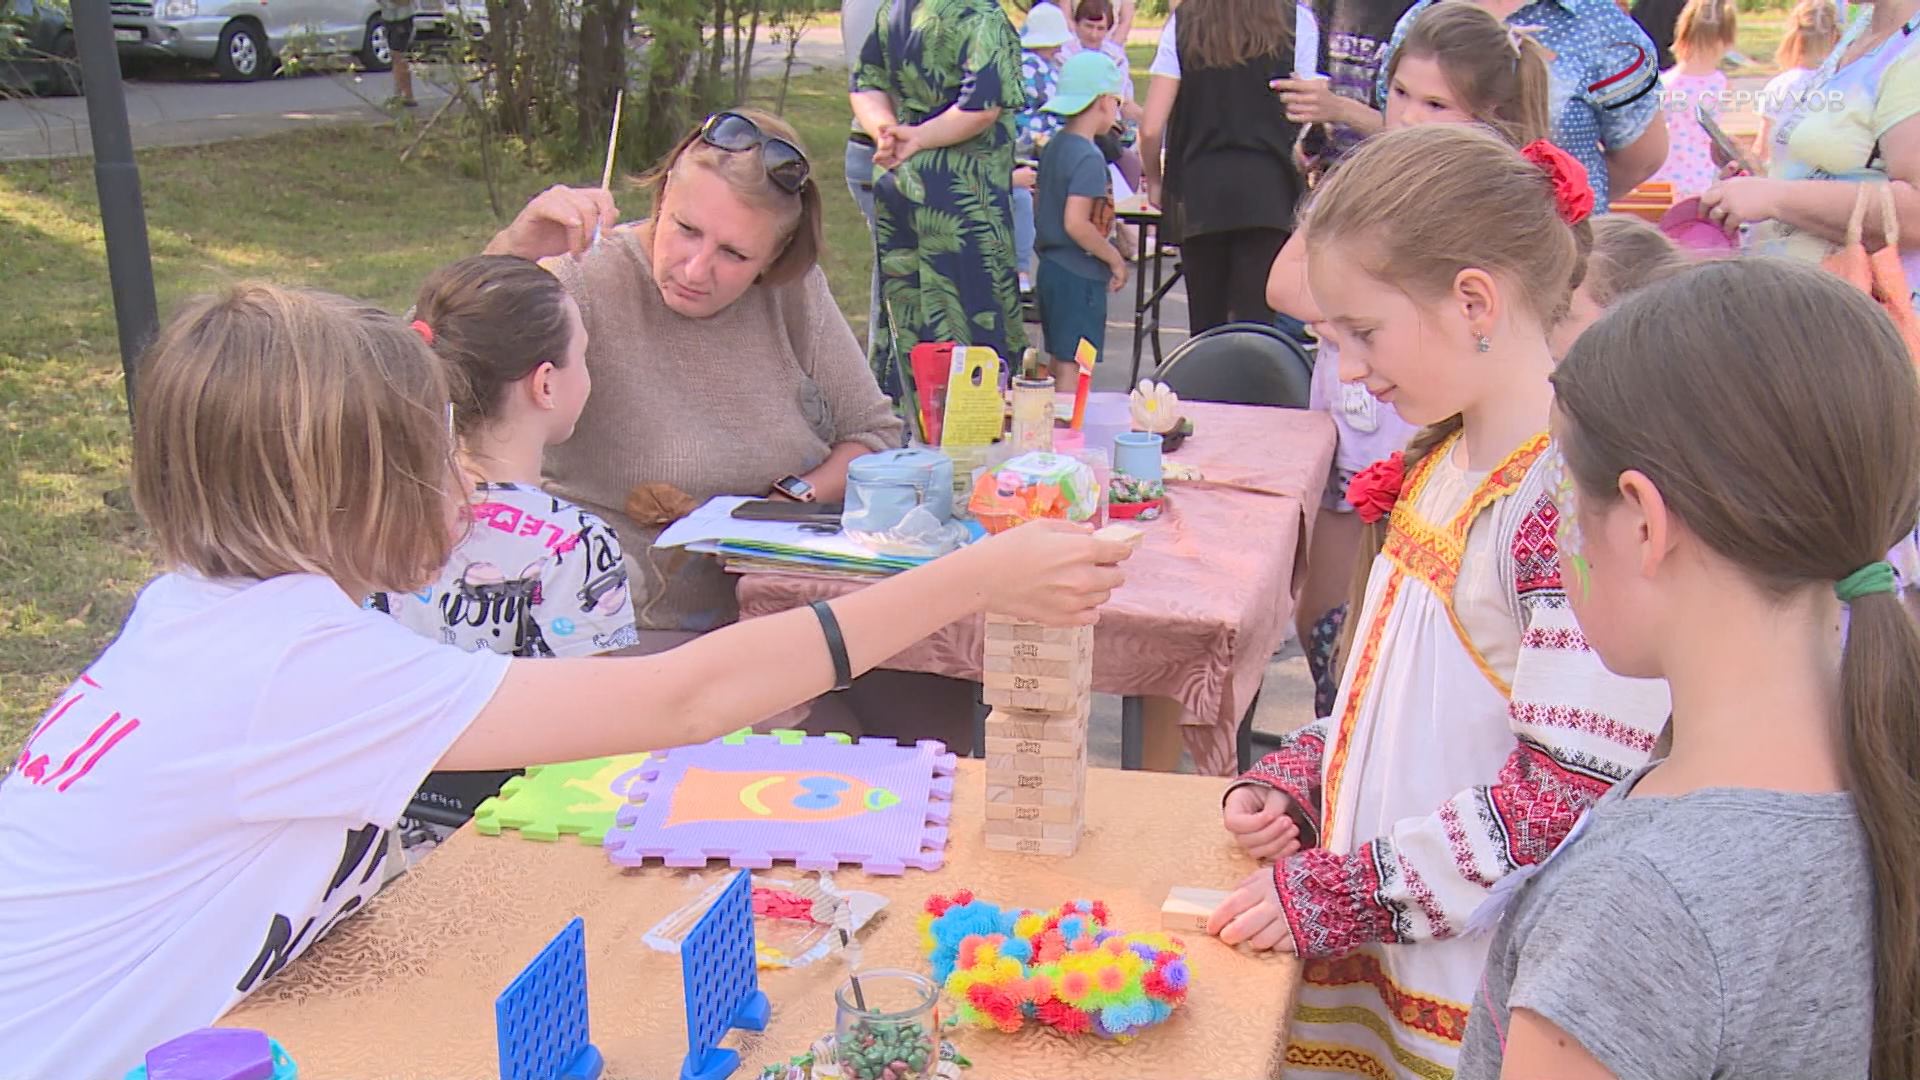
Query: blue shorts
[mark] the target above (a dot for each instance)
(1071, 308)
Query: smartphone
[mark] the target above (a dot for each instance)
(1722, 142)
(782, 510)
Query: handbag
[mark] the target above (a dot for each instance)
(1879, 274)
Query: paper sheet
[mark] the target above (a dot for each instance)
(707, 528)
(1306, 43)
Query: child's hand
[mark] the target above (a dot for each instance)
(1253, 915)
(1258, 819)
(1117, 275)
(1050, 572)
(1024, 177)
(1308, 101)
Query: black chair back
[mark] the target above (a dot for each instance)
(1241, 364)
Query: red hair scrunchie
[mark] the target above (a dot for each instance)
(1572, 190)
(426, 332)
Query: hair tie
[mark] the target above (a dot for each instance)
(1513, 39)
(1875, 577)
(1572, 193)
(426, 332)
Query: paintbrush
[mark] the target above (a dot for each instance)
(613, 147)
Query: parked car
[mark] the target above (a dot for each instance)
(36, 49)
(451, 19)
(241, 38)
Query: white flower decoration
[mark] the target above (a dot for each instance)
(1155, 407)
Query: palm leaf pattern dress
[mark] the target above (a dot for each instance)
(943, 219)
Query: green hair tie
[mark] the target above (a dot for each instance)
(1875, 577)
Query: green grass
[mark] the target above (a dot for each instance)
(330, 207)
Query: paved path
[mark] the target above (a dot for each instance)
(191, 107)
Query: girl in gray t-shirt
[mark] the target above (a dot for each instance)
(1740, 447)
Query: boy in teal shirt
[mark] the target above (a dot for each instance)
(1073, 211)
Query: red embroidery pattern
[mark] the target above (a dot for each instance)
(1536, 550)
(1537, 802)
(1337, 1059)
(1461, 847)
(1430, 907)
(1443, 1020)
(1555, 639)
(1332, 902)
(1585, 721)
(1294, 770)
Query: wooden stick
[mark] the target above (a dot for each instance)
(613, 140)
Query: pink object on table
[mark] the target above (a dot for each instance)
(1209, 596)
(1685, 227)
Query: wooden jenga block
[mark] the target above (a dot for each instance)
(1047, 727)
(1055, 815)
(1189, 909)
(1062, 830)
(1034, 693)
(1039, 748)
(1002, 628)
(1016, 827)
(1015, 649)
(1032, 846)
(1120, 533)
(1074, 670)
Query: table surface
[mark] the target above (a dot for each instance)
(1209, 595)
(405, 990)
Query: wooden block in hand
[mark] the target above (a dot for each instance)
(1120, 533)
(1189, 909)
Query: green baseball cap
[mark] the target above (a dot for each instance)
(1083, 78)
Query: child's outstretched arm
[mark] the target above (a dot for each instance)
(1287, 281)
(1579, 729)
(565, 710)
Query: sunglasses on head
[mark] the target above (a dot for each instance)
(786, 166)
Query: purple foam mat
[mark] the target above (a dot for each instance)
(819, 803)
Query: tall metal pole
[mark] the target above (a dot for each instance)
(117, 180)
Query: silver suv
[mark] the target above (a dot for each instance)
(241, 37)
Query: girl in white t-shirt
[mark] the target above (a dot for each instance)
(535, 575)
(1813, 29)
(212, 795)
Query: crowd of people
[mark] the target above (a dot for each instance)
(1613, 763)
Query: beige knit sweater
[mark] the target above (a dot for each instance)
(717, 406)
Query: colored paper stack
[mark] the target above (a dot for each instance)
(1039, 682)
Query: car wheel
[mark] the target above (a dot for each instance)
(67, 81)
(377, 53)
(243, 55)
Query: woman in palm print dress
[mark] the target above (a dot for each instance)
(938, 89)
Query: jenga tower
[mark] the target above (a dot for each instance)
(1040, 683)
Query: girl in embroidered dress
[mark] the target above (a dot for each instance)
(1472, 726)
(1738, 449)
(1459, 65)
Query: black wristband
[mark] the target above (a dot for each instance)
(836, 645)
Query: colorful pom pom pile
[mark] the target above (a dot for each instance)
(1064, 969)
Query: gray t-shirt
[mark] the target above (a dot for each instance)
(1070, 165)
(1727, 933)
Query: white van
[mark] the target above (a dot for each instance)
(241, 37)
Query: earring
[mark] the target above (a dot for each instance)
(1484, 345)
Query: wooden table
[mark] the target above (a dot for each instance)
(1209, 596)
(405, 990)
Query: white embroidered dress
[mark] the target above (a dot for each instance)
(1472, 729)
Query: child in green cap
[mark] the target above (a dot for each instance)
(1073, 211)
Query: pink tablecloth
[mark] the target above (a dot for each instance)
(1209, 596)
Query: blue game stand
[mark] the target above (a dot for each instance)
(721, 971)
(542, 1015)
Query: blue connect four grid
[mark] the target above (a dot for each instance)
(541, 1016)
(720, 969)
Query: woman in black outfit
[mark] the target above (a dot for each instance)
(1230, 180)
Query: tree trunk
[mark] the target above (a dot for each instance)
(603, 66)
(743, 69)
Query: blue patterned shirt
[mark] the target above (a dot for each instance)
(1605, 77)
(1038, 77)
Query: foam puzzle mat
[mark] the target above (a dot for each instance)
(819, 802)
(577, 797)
